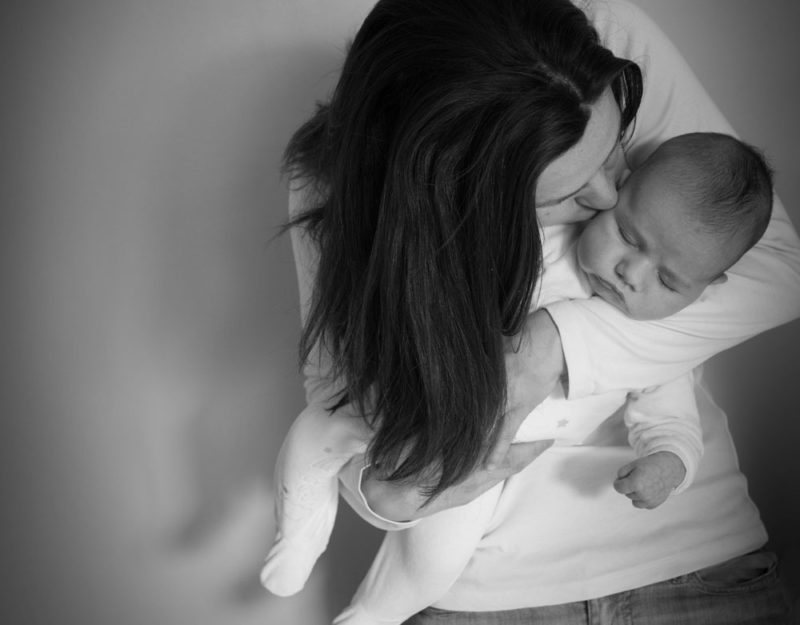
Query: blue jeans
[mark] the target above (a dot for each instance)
(742, 591)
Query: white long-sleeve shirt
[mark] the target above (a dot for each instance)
(560, 533)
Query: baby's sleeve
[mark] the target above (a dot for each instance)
(666, 418)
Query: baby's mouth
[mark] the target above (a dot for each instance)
(611, 289)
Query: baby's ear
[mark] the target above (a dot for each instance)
(720, 279)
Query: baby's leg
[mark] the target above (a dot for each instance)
(316, 447)
(416, 567)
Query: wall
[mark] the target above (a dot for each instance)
(151, 318)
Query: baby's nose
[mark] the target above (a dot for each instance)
(630, 273)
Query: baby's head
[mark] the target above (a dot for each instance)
(693, 208)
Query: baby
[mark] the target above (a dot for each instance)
(682, 219)
(697, 204)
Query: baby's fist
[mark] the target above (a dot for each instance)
(648, 481)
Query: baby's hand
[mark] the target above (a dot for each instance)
(648, 481)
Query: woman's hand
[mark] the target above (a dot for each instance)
(534, 365)
(404, 502)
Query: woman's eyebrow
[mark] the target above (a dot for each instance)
(569, 195)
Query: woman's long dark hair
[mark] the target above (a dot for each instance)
(425, 161)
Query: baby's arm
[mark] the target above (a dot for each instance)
(415, 568)
(664, 430)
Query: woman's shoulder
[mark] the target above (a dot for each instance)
(623, 27)
(610, 11)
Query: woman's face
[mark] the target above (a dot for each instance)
(584, 179)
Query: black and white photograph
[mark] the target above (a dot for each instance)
(401, 312)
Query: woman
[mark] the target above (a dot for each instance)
(455, 125)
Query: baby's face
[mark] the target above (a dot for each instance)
(647, 256)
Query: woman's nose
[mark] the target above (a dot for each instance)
(599, 193)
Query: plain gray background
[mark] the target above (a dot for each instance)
(149, 353)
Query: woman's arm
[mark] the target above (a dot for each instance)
(534, 363)
(763, 290)
(391, 505)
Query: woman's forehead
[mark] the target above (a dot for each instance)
(573, 169)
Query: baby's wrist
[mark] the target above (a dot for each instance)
(672, 464)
